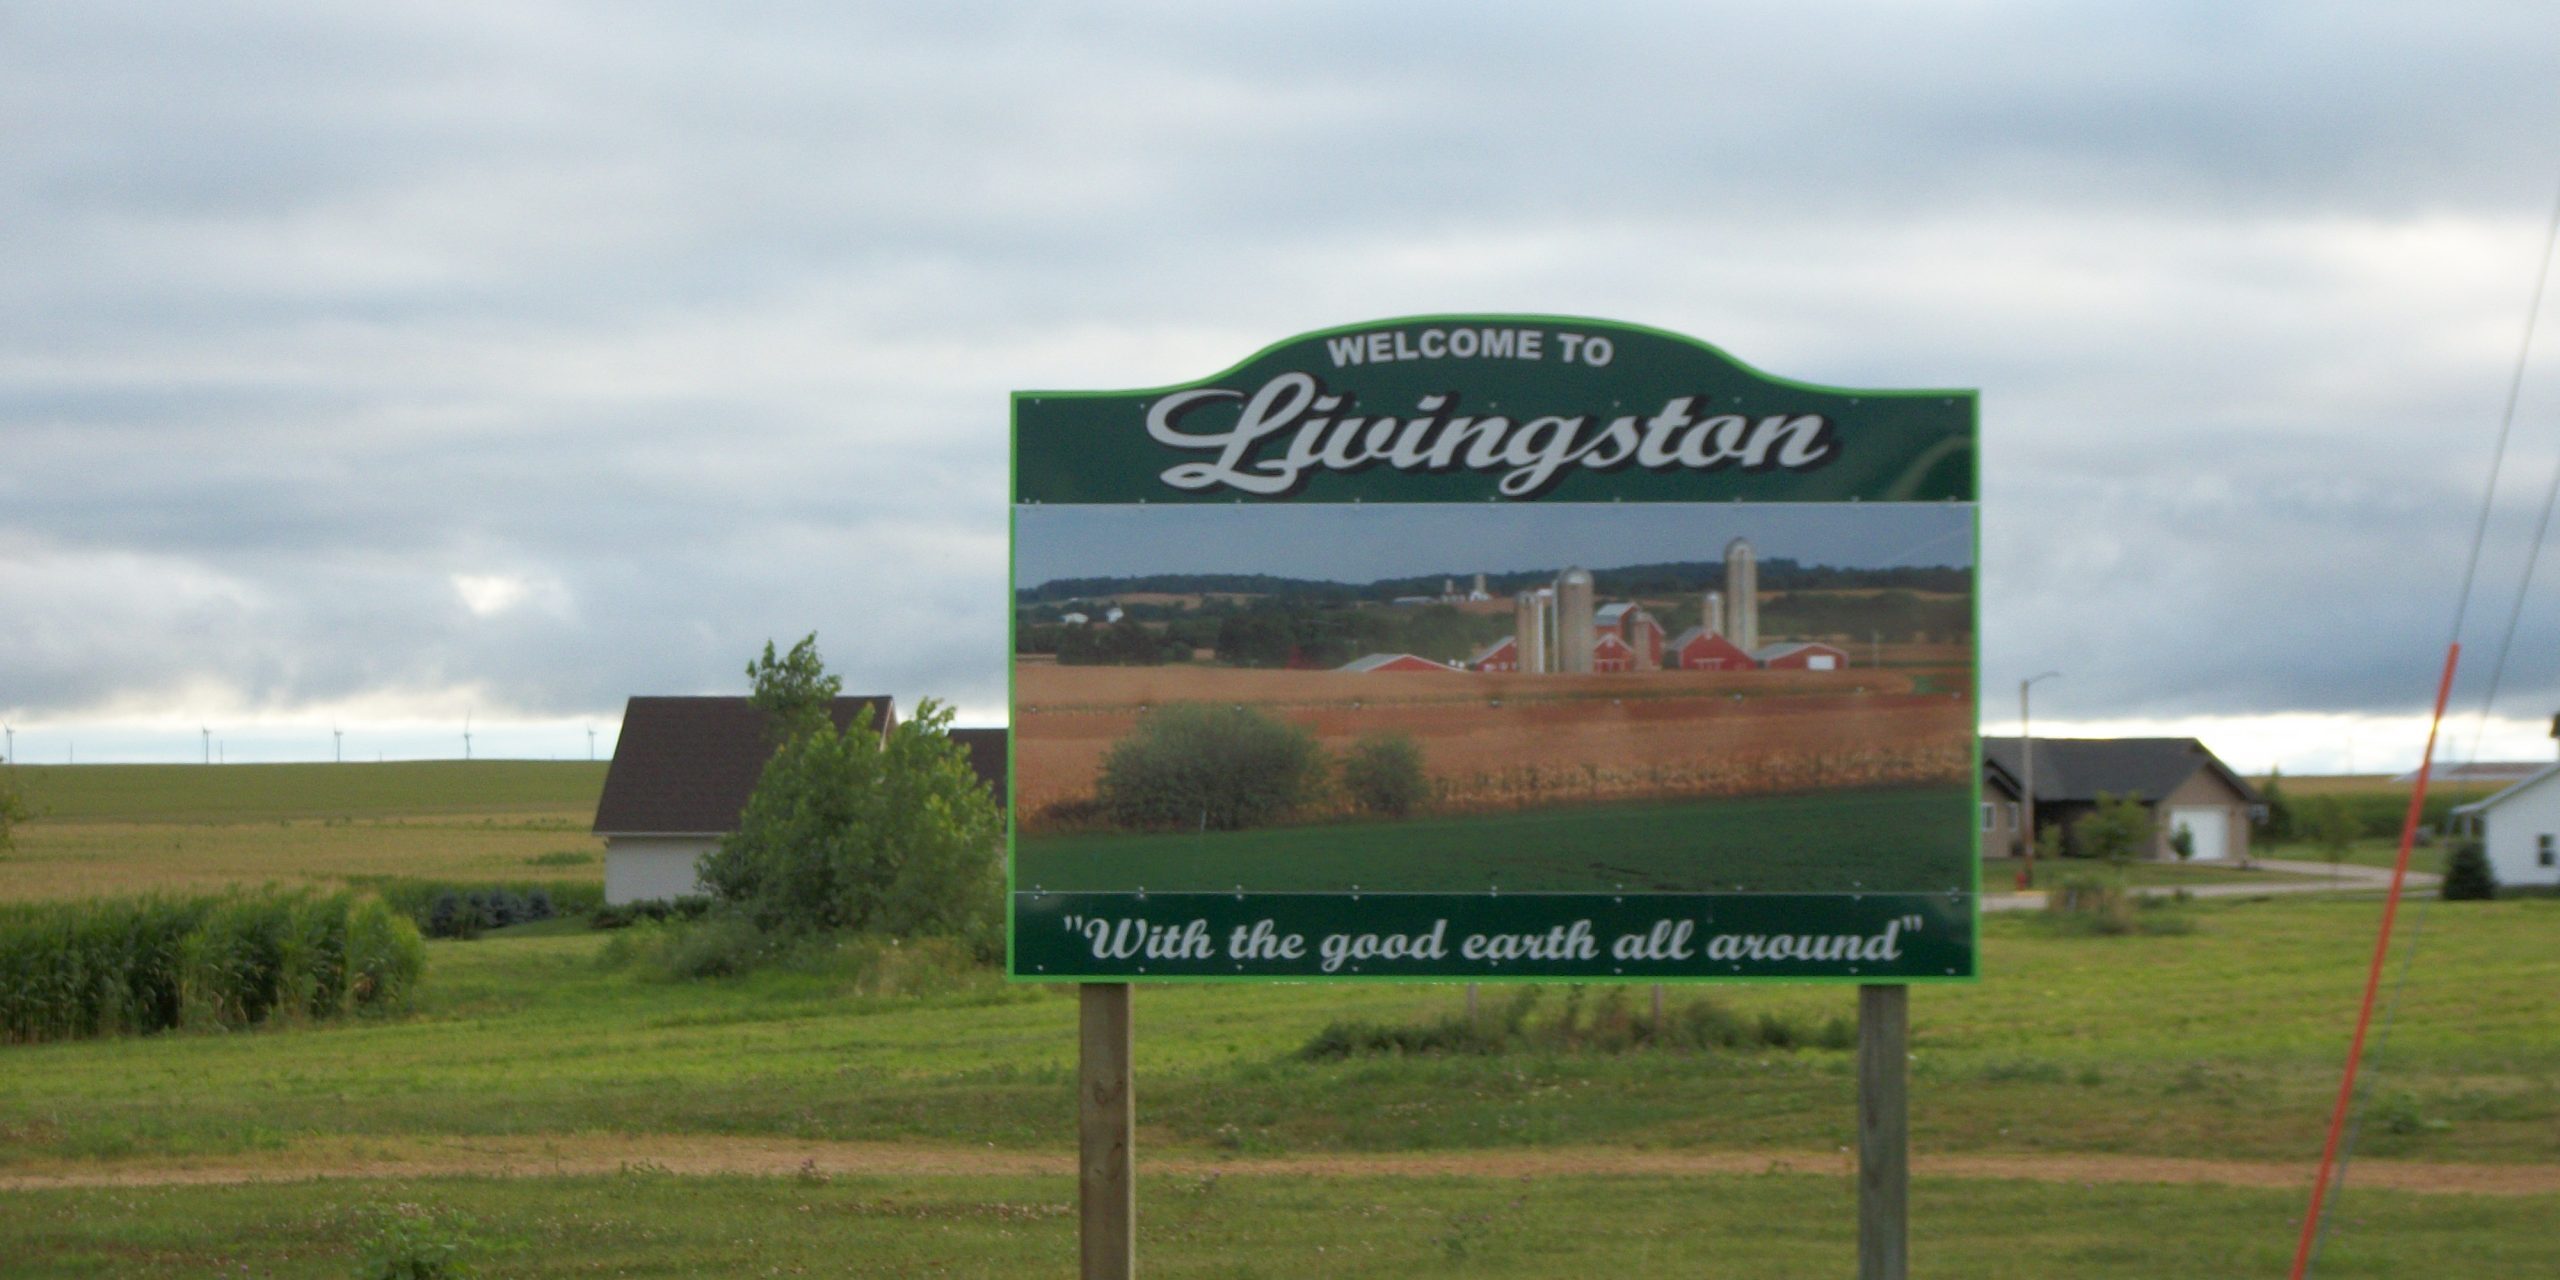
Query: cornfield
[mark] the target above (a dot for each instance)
(70, 970)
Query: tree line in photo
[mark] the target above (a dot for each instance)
(1258, 620)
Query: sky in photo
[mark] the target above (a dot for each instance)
(375, 366)
(1363, 543)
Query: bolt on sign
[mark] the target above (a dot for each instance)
(1492, 647)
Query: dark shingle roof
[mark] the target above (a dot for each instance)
(685, 766)
(986, 749)
(2078, 769)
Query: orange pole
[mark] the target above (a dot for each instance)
(2373, 978)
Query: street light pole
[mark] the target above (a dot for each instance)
(2027, 802)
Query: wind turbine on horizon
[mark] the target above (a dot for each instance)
(466, 735)
(208, 743)
(337, 743)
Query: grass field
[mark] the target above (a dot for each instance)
(1775, 1225)
(2129, 1106)
(1807, 843)
(121, 829)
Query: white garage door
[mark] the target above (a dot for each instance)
(1822, 662)
(2209, 828)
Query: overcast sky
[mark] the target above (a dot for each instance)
(381, 364)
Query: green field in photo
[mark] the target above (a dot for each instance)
(1914, 839)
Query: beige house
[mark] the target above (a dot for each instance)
(2185, 786)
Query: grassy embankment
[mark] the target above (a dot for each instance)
(2217, 1045)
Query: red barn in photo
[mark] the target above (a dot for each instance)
(1698, 649)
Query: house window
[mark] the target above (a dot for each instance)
(2542, 855)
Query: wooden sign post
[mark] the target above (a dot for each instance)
(1884, 1132)
(1106, 1127)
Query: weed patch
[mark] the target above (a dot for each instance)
(1579, 1024)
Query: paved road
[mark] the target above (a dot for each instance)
(2319, 877)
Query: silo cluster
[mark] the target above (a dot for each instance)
(1555, 628)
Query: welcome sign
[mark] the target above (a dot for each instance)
(1494, 647)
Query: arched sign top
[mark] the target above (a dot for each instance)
(1501, 408)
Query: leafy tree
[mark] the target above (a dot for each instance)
(2278, 825)
(1261, 638)
(845, 831)
(2330, 826)
(2119, 830)
(1190, 764)
(1383, 774)
(794, 689)
(2183, 843)
(2468, 876)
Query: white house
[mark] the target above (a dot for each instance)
(682, 771)
(2520, 827)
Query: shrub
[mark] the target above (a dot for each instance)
(1219, 768)
(2468, 876)
(420, 900)
(846, 831)
(2118, 830)
(1382, 773)
(455, 914)
(1580, 1025)
(410, 1243)
(2101, 905)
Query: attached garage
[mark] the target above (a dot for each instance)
(2208, 830)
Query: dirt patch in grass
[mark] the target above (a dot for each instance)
(566, 1155)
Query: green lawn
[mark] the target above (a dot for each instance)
(1834, 840)
(2224, 1042)
(2001, 874)
(1778, 1225)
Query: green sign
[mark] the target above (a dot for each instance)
(1494, 647)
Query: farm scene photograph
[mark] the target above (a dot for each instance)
(661, 641)
(1636, 697)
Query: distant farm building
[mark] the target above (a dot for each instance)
(2184, 785)
(1395, 662)
(1698, 649)
(2520, 829)
(1501, 655)
(1803, 656)
(684, 768)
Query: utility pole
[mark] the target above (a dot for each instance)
(2027, 802)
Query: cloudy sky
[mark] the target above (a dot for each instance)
(378, 365)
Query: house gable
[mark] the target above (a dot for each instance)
(685, 766)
